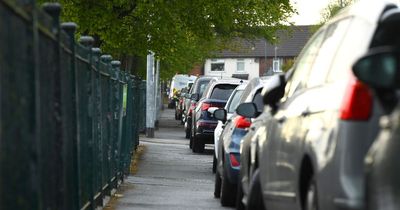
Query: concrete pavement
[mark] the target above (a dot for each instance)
(170, 176)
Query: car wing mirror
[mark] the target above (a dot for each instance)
(220, 114)
(379, 69)
(248, 110)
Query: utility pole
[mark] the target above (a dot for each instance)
(157, 94)
(150, 96)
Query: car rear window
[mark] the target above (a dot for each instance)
(222, 91)
(234, 101)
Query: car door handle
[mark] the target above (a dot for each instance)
(282, 120)
(305, 113)
(253, 128)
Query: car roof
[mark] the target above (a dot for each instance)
(242, 86)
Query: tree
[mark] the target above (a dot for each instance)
(331, 10)
(179, 32)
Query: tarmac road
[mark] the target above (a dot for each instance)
(170, 176)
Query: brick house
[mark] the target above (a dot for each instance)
(256, 58)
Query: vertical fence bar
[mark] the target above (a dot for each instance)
(87, 41)
(72, 173)
(107, 123)
(18, 154)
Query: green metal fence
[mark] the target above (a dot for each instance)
(69, 117)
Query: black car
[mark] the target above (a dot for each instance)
(196, 90)
(203, 124)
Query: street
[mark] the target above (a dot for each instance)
(170, 176)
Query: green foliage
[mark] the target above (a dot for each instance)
(330, 11)
(287, 65)
(179, 32)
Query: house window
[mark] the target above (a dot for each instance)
(217, 65)
(240, 65)
(277, 65)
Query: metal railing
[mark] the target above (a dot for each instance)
(70, 118)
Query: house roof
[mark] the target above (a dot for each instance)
(289, 45)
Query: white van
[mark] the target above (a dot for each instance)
(178, 82)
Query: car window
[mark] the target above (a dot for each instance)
(332, 39)
(234, 101)
(304, 64)
(202, 86)
(222, 91)
(258, 100)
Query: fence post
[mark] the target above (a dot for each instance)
(55, 198)
(70, 29)
(107, 60)
(88, 41)
(97, 121)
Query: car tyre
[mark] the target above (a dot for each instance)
(187, 133)
(228, 191)
(239, 197)
(191, 142)
(311, 197)
(214, 167)
(255, 199)
(198, 145)
(217, 186)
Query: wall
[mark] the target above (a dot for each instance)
(251, 67)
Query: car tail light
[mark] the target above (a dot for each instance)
(191, 108)
(242, 122)
(357, 101)
(205, 106)
(234, 161)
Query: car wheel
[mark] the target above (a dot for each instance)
(191, 142)
(239, 197)
(214, 167)
(187, 133)
(198, 145)
(228, 191)
(255, 199)
(311, 197)
(217, 186)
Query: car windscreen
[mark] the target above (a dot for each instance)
(222, 91)
(234, 101)
(258, 100)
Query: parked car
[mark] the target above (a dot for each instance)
(230, 108)
(185, 97)
(203, 124)
(380, 70)
(195, 92)
(179, 108)
(228, 158)
(178, 82)
(323, 120)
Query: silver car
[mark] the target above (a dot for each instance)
(230, 108)
(323, 119)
